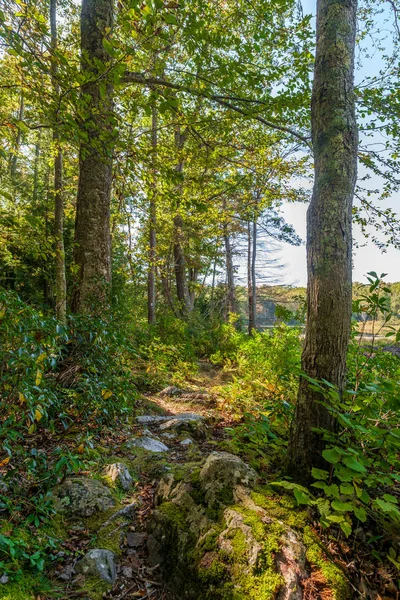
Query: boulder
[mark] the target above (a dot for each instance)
(222, 544)
(148, 443)
(83, 497)
(186, 442)
(120, 473)
(98, 563)
(221, 474)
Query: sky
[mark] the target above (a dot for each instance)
(366, 257)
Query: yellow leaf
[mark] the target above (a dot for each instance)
(81, 449)
(38, 415)
(21, 397)
(5, 461)
(32, 428)
(106, 394)
(41, 358)
(39, 375)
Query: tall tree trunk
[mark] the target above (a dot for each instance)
(231, 296)
(182, 290)
(92, 226)
(36, 169)
(249, 281)
(151, 283)
(193, 274)
(14, 155)
(329, 239)
(60, 278)
(253, 307)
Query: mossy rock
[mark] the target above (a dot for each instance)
(255, 546)
(83, 497)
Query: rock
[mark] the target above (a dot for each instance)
(154, 551)
(236, 528)
(66, 573)
(4, 579)
(83, 497)
(292, 564)
(152, 419)
(186, 442)
(98, 563)
(135, 540)
(148, 443)
(197, 429)
(222, 544)
(120, 473)
(169, 436)
(127, 572)
(171, 390)
(221, 474)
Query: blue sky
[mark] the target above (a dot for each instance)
(367, 257)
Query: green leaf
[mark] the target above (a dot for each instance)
(346, 528)
(301, 497)
(360, 513)
(331, 455)
(319, 473)
(390, 498)
(346, 489)
(342, 506)
(353, 464)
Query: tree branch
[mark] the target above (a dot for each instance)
(134, 77)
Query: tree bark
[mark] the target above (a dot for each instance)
(182, 289)
(253, 304)
(151, 283)
(249, 281)
(17, 145)
(60, 278)
(231, 296)
(92, 225)
(329, 238)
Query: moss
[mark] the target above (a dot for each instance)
(333, 575)
(27, 588)
(94, 588)
(175, 514)
(280, 507)
(239, 546)
(261, 587)
(109, 537)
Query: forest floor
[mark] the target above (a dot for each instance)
(137, 572)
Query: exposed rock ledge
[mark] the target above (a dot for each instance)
(214, 541)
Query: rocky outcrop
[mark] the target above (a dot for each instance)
(83, 497)
(213, 541)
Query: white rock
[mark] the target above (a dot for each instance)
(119, 472)
(149, 444)
(186, 442)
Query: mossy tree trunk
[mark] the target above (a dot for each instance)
(92, 226)
(329, 237)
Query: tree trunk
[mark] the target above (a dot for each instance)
(92, 226)
(14, 155)
(329, 239)
(182, 290)
(151, 283)
(249, 281)
(253, 307)
(231, 296)
(193, 274)
(60, 278)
